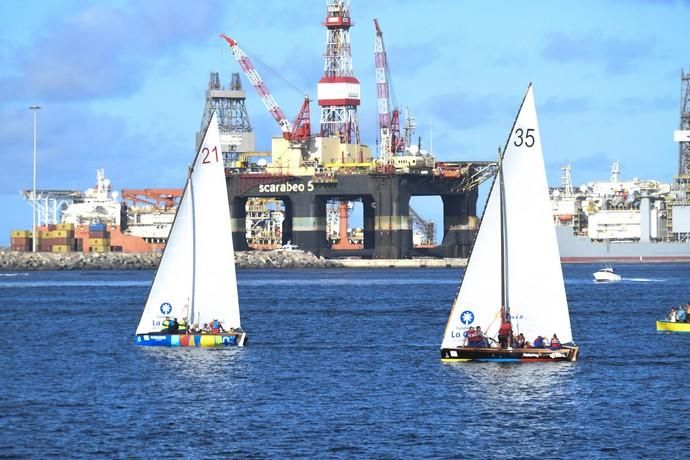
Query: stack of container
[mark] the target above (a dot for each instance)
(99, 238)
(21, 240)
(57, 238)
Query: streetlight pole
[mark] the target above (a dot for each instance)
(34, 109)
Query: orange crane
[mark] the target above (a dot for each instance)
(300, 130)
(164, 198)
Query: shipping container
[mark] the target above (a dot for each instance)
(99, 241)
(21, 244)
(60, 234)
(60, 248)
(97, 227)
(64, 227)
(99, 248)
(21, 233)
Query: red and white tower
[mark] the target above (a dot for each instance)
(338, 90)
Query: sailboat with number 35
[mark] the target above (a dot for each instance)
(514, 272)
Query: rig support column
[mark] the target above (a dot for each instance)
(457, 235)
(392, 223)
(369, 222)
(308, 218)
(238, 223)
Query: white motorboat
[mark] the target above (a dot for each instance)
(606, 274)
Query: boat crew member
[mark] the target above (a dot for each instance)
(216, 326)
(520, 341)
(681, 315)
(183, 326)
(173, 326)
(672, 315)
(471, 336)
(481, 339)
(538, 342)
(165, 325)
(555, 343)
(504, 334)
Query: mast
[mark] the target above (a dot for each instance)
(191, 196)
(505, 309)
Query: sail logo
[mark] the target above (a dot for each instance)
(166, 308)
(466, 317)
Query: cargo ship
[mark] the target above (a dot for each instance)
(97, 220)
(621, 221)
(628, 221)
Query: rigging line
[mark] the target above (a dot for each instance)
(271, 70)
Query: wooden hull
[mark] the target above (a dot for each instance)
(672, 327)
(466, 354)
(193, 340)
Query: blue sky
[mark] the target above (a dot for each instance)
(122, 82)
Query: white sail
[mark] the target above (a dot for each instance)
(479, 299)
(196, 275)
(535, 289)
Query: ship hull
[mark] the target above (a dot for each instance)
(192, 340)
(512, 355)
(580, 249)
(669, 326)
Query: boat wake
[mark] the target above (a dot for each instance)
(13, 274)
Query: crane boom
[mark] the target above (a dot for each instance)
(260, 86)
(382, 94)
(389, 122)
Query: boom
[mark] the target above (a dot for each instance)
(389, 124)
(260, 86)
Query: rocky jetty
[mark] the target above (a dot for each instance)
(281, 258)
(28, 261)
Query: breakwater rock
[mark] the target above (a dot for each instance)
(29, 261)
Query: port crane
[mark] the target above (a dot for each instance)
(391, 141)
(300, 130)
(161, 198)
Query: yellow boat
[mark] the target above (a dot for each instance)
(672, 326)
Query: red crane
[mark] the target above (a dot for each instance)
(300, 130)
(389, 123)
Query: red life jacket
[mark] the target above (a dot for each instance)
(504, 330)
(555, 343)
(472, 335)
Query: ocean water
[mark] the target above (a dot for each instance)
(342, 364)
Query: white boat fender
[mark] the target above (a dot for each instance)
(243, 340)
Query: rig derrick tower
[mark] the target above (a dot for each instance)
(683, 134)
(236, 135)
(338, 90)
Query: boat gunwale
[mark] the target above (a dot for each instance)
(672, 326)
(570, 353)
